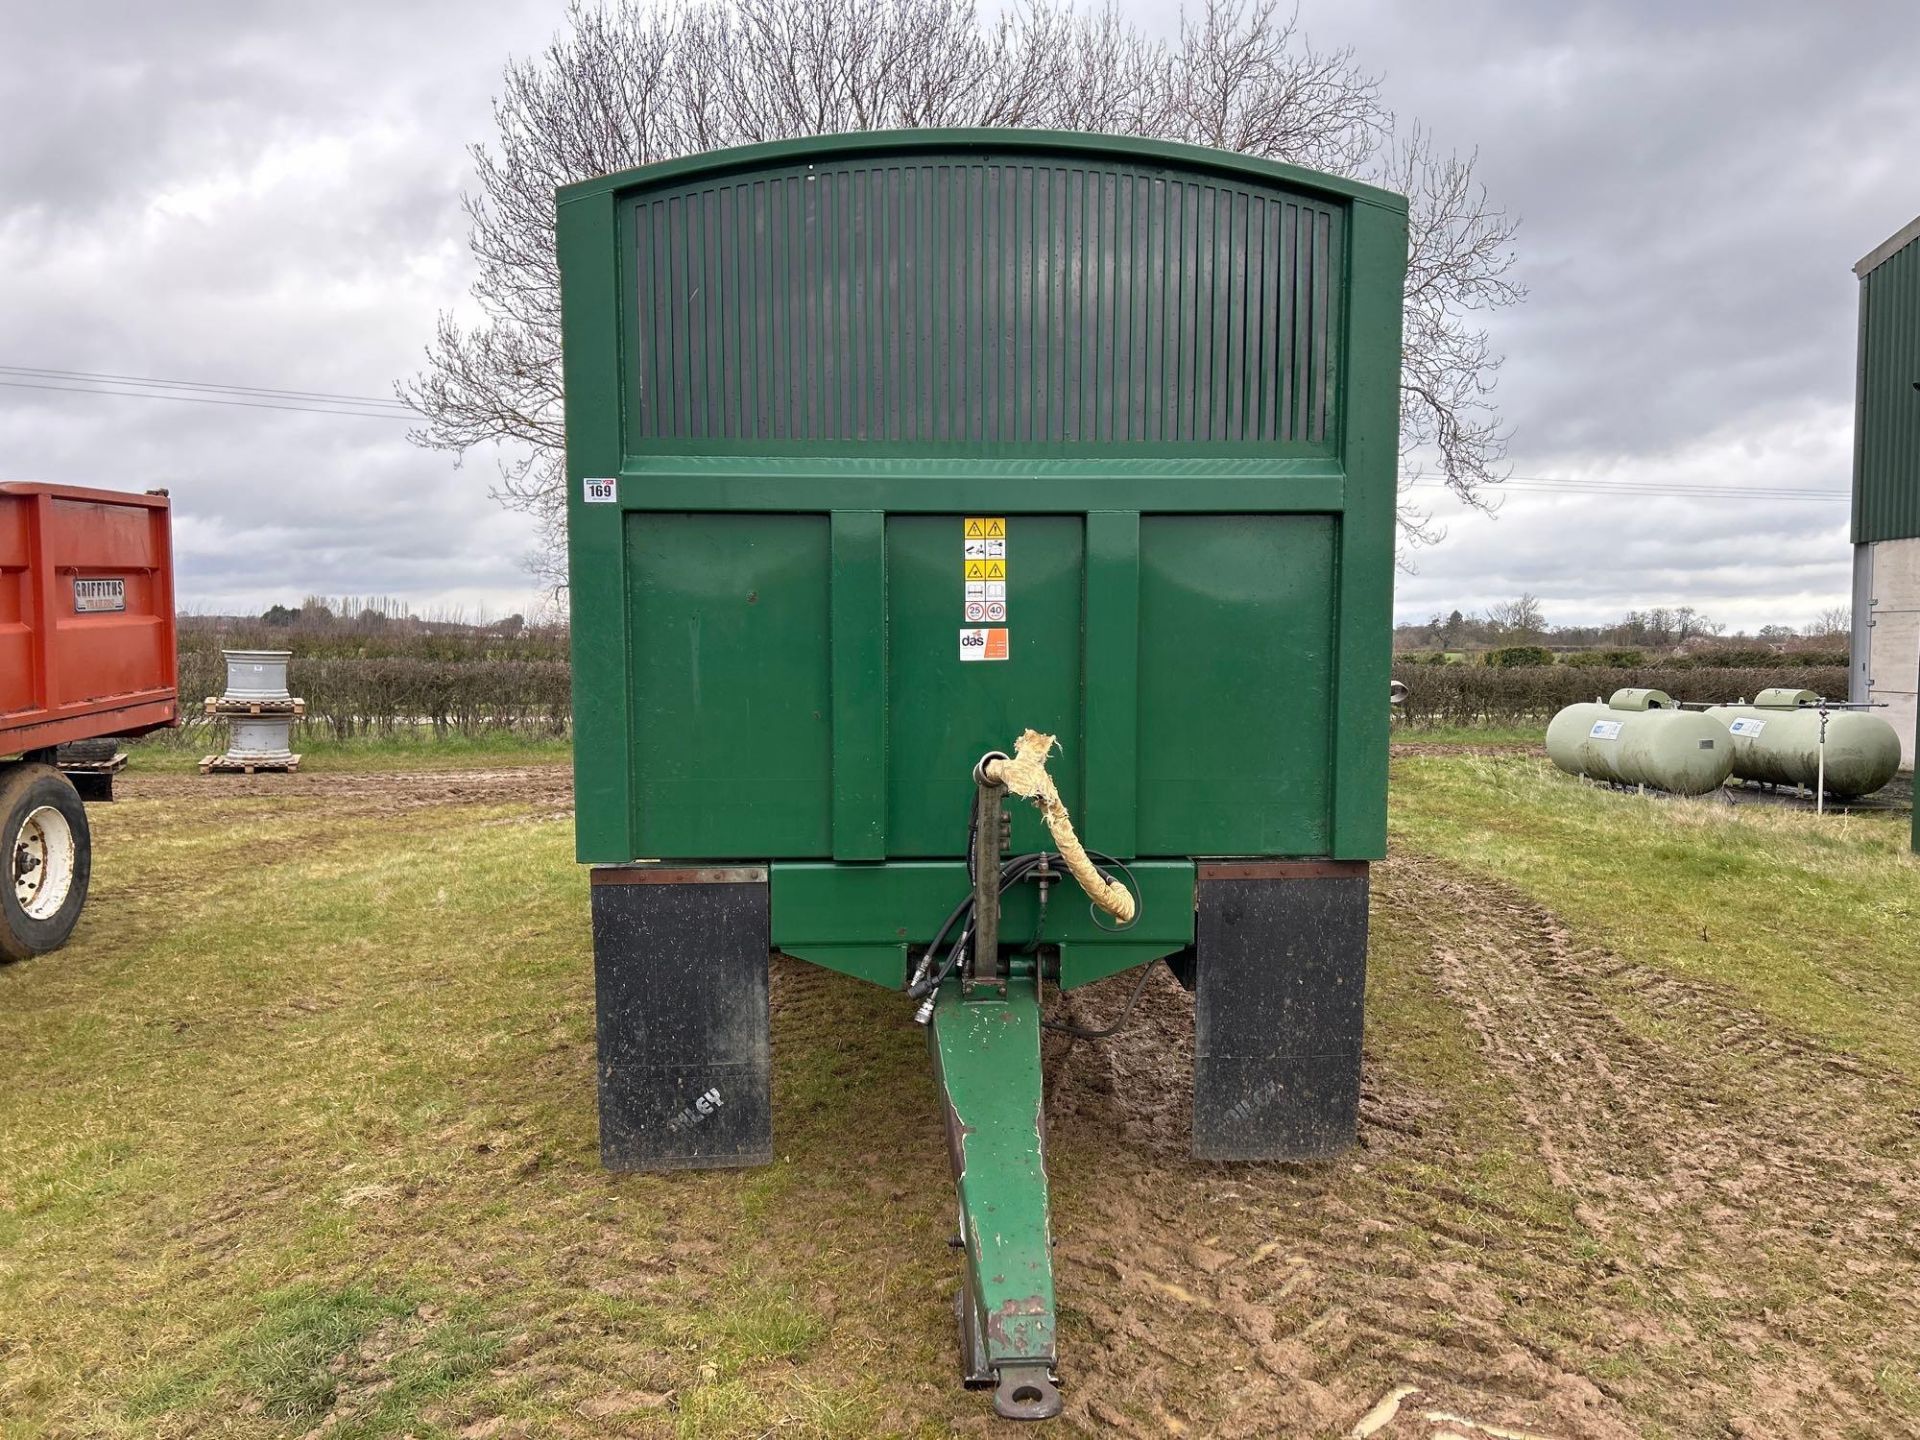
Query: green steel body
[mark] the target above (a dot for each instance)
(1172, 373)
(763, 627)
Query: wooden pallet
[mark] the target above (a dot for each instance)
(95, 767)
(220, 705)
(220, 765)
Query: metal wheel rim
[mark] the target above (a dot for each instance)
(43, 863)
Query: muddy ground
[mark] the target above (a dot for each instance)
(1599, 1203)
(1740, 1254)
(548, 788)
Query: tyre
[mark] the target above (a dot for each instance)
(46, 860)
(89, 752)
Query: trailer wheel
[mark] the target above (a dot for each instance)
(46, 860)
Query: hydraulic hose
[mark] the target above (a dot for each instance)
(925, 978)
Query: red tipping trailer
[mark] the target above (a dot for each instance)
(86, 650)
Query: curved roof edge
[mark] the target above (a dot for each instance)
(893, 142)
(1888, 248)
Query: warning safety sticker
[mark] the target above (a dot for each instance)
(984, 565)
(983, 644)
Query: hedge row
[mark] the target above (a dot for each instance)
(347, 697)
(378, 697)
(1734, 659)
(396, 640)
(1521, 656)
(1479, 694)
(1518, 657)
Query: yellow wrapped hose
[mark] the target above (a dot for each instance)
(1026, 775)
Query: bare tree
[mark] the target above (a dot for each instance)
(1690, 624)
(634, 83)
(1521, 618)
(1835, 620)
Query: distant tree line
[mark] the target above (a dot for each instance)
(1491, 694)
(1522, 622)
(370, 667)
(357, 613)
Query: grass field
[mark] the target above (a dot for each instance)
(1814, 922)
(1472, 737)
(298, 1138)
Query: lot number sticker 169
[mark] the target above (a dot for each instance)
(602, 492)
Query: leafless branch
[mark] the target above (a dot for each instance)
(631, 83)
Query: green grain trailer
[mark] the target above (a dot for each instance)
(882, 448)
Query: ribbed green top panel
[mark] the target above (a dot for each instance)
(964, 300)
(1886, 482)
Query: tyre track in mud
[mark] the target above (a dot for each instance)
(1281, 1300)
(1715, 1168)
(1727, 1164)
(381, 792)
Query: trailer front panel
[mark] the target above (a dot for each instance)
(883, 449)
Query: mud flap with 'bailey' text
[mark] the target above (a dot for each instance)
(1280, 959)
(680, 982)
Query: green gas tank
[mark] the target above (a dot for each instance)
(1776, 739)
(1640, 737)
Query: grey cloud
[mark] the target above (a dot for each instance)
(1694, 191)
(269, 195)
(1695, 182)
(266, 196)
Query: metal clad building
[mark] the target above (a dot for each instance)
(1886, 484)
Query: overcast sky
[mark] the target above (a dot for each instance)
(269, 195)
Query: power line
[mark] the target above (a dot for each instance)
(210, 400)
(1672, 487)
(44, 373)
(335, 403)
(1543, 484)
(1646, 487)
(1709, 492)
